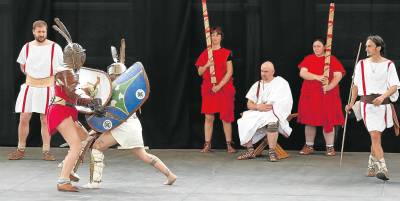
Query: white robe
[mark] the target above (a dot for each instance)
(35, 99)
(378, 78)
(252, 124)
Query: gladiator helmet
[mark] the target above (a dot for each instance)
(74, 54)
(118, 67)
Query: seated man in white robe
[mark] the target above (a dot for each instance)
(269, 103)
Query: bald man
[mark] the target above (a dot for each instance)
(269, 103)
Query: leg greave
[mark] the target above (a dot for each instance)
(96, 165)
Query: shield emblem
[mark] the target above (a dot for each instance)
(129, 91)
(93, 83)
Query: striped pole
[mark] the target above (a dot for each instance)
(207, 32)
(329, 35)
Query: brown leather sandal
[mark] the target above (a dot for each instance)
(272, 155)
(330, 151)
(67, 187)
(307, 150)
(206, 147)
(230, 148)
(249, 154)
(16, 155)
(47, 156)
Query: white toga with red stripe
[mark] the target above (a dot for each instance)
(38, 64)
(378, 78)
(252, 124)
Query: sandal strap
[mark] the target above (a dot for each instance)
(272, 155)
(248, 154)
(206, 147)
(272, 152)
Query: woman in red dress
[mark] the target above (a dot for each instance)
(218, 98)
(316, 107)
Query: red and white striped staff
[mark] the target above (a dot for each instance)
(207, 32)
(329, 36)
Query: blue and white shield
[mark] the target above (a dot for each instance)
(129, 91)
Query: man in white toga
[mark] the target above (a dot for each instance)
(269, 103)
(38, 59)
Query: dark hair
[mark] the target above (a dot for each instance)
(39, 23)
(378, 41)
(218, 30)
(320, 40)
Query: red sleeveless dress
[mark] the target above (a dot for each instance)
(316, 108)
(221, 102)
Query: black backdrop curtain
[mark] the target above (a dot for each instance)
(167, 37)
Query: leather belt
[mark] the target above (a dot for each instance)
(60, 101)
(369, 98)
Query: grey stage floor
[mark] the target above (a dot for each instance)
(215, 176)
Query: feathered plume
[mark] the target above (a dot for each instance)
(114, 54)
(69, 41)
(62, 27)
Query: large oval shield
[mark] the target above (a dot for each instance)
(93, 83)
(129, 91)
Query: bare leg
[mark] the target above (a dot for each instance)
(208, 127)
(105, 141)
(372, 151)
(46, 138)
(329, 142)
(330, 138)
(156, 163)
(227, 130)
(83, 136)
(376, 147)
(272, 139)
(82, 132)
(23, 129)
(70, 134)
(310, 132)
(228, 136)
